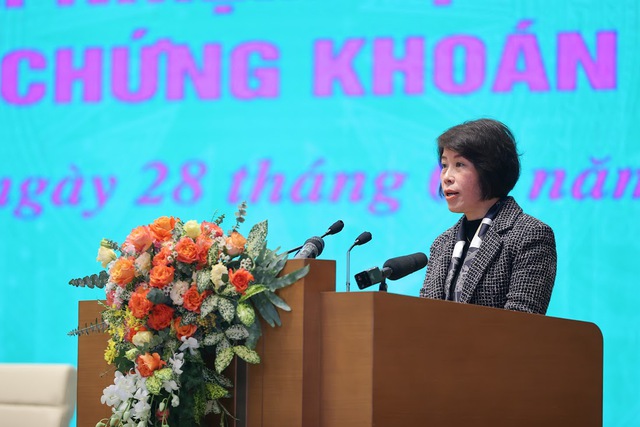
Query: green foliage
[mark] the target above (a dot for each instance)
(92, 281)
(96, 326)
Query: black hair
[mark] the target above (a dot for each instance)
(491, 147)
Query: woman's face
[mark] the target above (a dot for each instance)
(461, 186)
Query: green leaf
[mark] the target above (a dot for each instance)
(266, 309)
(246, 314)
(255, 332)
(223, 359)
(277, 301)
(213, 338)
(156, 296)
(226, 308)
(208, 305)
(203, 280)
(251, 291)
(236, 332)
(215, 391)
(249, 356)
(289, 279)
(256, 239)
(92, 281)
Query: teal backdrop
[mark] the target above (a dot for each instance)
(113, 113)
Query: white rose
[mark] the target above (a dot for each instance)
(105, 256)
(177, 291)
(141, 338)
(143, 262)
(192, 228)
(216, 274)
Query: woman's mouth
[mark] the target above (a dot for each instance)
(450, 194)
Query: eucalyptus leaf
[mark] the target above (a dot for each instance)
(93, 281)
(156, 296)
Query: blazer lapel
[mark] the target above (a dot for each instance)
(487, 253)
(490, 247)
(442, 265)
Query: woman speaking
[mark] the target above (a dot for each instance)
(495, 255)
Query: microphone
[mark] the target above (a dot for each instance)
(393, 269)
(335, 228)
(311, 248)
(360, 240)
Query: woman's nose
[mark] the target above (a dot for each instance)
(447, 177)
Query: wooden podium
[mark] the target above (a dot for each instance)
(378, 359)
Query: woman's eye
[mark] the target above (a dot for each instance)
(459, 164)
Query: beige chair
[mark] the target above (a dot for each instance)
(42, 395)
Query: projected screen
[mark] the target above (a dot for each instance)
(113, 113)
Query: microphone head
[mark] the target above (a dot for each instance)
(311, 248)
(363, 238)
(335, 228)
(404, 265)
(317, 242)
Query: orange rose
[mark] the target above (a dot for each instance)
(192, 299)
(139, 305)
(140, 238)
(162, 257)
(123, 271)
(187, 250)
(240, 279)
(234, 244)
(204, 244)
(162, 228)
(160, 276)
(160, 316)
(183, 330)
(211, 229)
(148, 363)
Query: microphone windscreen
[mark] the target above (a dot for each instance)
(336, 227)
(404, 265)
(363, 238)
(317, 242)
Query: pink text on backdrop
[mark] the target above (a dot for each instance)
(28, 76)
(341, 66)
(317, 185)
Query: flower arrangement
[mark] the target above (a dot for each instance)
(180, 294)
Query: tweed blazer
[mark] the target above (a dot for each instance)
(514, 268)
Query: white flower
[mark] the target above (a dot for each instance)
(175, 400)
(176, 363)
(177, 291)
(170, 386)
(192, 228)
(216, 274)
(141, 338)
(105, 256)
(190, 343)
(143, 262)
(142, 409)
(110, 396)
